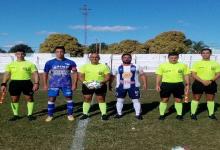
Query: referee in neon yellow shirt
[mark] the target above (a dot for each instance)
(172, 74)
(20, 72)
(205, 72)
(98, 72)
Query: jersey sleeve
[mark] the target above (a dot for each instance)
(7, 68)
(186, 70)
(217, 68)
(47, 67)
(194, 67)
(106, 69)
(73, 66)
(159, 70)
(33, 68)
(82, 69)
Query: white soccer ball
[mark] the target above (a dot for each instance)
(178, 148)
(94, 85)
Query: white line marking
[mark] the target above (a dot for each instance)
(79, 136)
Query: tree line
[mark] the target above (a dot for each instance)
(163, 43)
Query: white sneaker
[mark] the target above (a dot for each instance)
(70, 117)
(49, 118)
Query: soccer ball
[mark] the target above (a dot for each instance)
(94, 85)
(178, 148)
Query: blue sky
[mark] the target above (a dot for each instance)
(109, 21)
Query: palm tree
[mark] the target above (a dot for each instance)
(197, 47)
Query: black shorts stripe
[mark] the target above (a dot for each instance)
(177, 89)
(199, 88)
(16, 87)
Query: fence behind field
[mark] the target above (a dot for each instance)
(148, 61)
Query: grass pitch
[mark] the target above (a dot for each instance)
(126, 133)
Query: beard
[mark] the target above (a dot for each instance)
(127, 62)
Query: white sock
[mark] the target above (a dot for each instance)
(119, 105)
(137, 106)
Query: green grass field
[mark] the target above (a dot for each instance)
(125, 134)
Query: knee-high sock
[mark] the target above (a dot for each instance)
(211, 107)
(162, 108)
(119, 105)
(103, 108)
(179, 108)
(51, 108)
(69, 107)
(137, 106)
(15, 107)
(194, 106)
(30, 107)
(86, 107)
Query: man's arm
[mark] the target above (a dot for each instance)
(217, 76)
(143, 77)
(74, 80)
(6, 77)
(112, 78)
(106, 78)
(36, 81)
(45, 78)
(158, 81)
(204, 82)
(81, 77)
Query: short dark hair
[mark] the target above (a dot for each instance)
(206, 49)
(20, 50)
(128, 54)
(173, 54)
(59, 47)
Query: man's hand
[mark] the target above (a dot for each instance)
(35, 87)
(206, 82)
(74, 87)
(3, 88)
(45, 87)
(158, 88)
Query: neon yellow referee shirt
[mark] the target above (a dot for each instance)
(172, 73)
(206, 70)
(21, 70)
(94, 72)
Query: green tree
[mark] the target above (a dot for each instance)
(70, 43)
(95, 47)
(197, 47)
(127, 46)
(25, 47)
(2, 51)
(167, 42)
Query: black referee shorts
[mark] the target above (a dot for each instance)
(177, 89)
(100, 92)
(199, 88)
(18, 86)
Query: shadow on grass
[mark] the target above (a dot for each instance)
(60, 108)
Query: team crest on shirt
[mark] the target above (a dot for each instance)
(133, 68)
(100, 73)
(127, 75)
(213, 68)
(180, 71)
(25, 68)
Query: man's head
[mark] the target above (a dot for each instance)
(59, 51)
(126, 58)
(206, 53)
(20, 54)
(173, 57)
(94, 58)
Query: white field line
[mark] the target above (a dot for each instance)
(79, 136)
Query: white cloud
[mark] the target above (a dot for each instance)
(3, 34)
(13, 44)
(183, 22)
(44, 32)
(116, 28)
